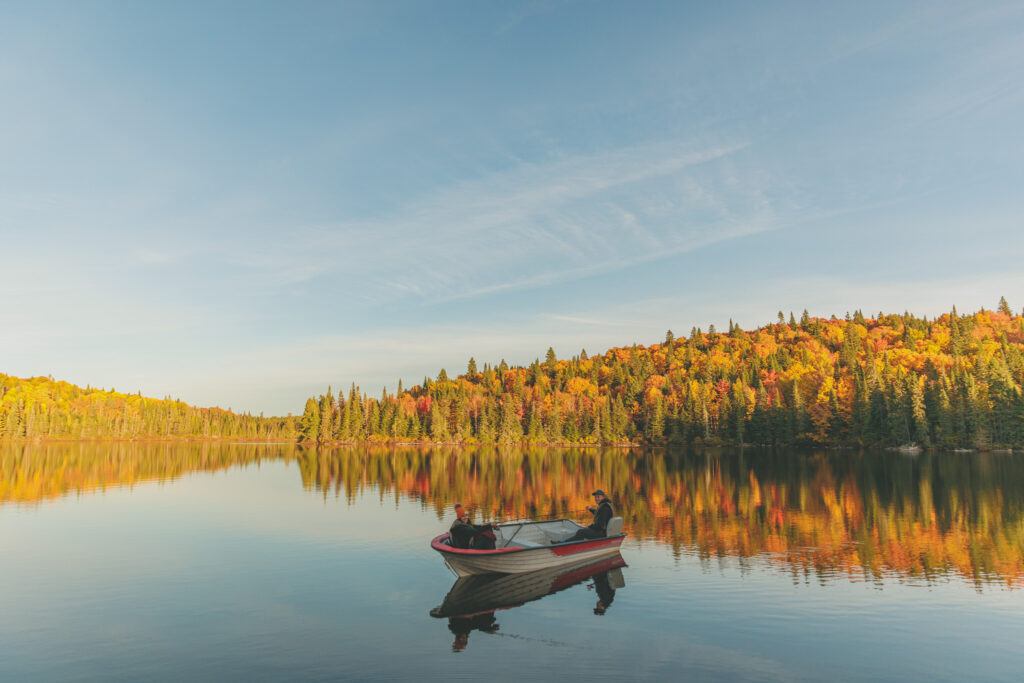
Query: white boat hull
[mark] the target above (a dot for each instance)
(525, 548)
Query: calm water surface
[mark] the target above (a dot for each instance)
(207, 562)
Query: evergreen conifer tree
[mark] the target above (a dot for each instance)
(438, 422)
(550, 361)
(655, 427)
(534, 426)
(309, 425)
(510, 431)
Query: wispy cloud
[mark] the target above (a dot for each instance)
(521, 13)
(543, 223)
(606, 321)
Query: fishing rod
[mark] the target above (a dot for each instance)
(522, 522)
(534, 518)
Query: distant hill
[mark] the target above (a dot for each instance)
(890, 380)
(41, 407)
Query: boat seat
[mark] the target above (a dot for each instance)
(614, 526)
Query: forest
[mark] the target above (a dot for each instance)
(892, 380)
(44, 408)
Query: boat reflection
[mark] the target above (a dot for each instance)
(473, 600)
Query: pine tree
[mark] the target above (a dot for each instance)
(534, 426)
(486, 430)
(570, 430)
(509, 431)
(956, 341)
(759, 421)
(596, 435)
(535, 372)
(739, 406)
(326, 407)
(438, 422)
(550, 361)
(605, 420)
(655, 427)
(798, 416)
(850, 346)
(553, 423)
(309, 425)
(463, 424)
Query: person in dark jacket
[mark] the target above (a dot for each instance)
(466, 535)
(603, 514)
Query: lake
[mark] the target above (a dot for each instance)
(268, 562)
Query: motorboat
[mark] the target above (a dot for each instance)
(482, 593)
(527, 546)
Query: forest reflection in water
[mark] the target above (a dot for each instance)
(864, 516)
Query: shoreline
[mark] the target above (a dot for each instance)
(907, 449)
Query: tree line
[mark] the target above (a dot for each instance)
(890, 380)
(41, 407)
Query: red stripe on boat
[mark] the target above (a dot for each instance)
(436, 544)
(579, 546)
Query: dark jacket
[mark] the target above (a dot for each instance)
(462, 535)
(602, 516)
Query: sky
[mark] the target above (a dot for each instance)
(240, 204)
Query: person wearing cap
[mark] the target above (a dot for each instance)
(466, 535)
(603, 514)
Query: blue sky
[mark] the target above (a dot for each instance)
(239, 203)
